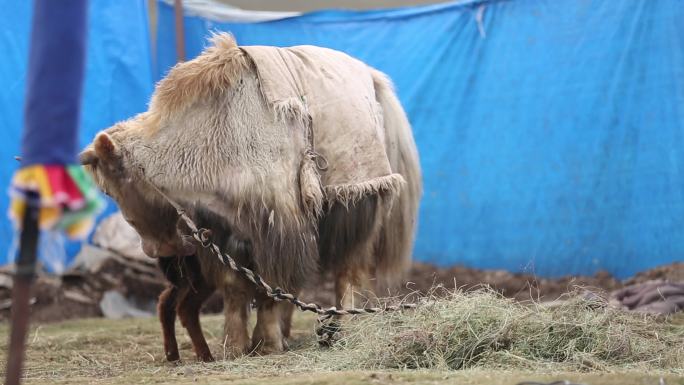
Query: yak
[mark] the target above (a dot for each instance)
(303, 152)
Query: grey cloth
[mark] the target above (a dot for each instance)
(657, 297)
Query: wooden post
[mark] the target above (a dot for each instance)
(180, 32)
(21, 290)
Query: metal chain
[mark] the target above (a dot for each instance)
(327, 328)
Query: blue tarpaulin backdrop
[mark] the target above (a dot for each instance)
(550, 131)
(118, 81)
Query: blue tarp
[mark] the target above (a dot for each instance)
(550, 131)
(118, 81)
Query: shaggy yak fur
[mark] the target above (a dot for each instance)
(211, 141)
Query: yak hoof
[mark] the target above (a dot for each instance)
(263, 348)
(205, 358)
(172, 356)
(233, 352)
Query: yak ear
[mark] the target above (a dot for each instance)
(87, 157)
(105, 147)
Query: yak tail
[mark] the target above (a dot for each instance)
(394, 246)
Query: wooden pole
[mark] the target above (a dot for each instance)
(180, 31)
(54, 81)
(153, 20)
(21, 290)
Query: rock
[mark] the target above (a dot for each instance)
(116, 306)
(115, 234)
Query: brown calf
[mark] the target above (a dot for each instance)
(189, 287)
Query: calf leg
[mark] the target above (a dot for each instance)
(166, 308)
(237, 297)
(189, 305)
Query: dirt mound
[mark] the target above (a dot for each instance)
(514, 285)
(422, 277)
(672, 273)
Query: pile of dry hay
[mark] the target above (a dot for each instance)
(482, 329)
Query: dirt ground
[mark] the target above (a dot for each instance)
(98, 350)
(104, 351)
(77, 295)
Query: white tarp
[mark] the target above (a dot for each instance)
(220, 12)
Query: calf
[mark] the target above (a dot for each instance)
(191, 281)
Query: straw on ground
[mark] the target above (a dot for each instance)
(475, 337)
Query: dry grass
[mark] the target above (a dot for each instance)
(484, 330)
(489, 339)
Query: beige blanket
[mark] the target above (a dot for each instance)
(333, 95)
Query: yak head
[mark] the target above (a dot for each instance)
(118, 176)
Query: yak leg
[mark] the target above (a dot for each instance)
(268, 332)
(353, 287)
(288, 310)
(350, 286)
(354, 279)
(347, 248)
(166, 308)
(189, 306)
(237, 297)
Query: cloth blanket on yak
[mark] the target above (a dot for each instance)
(333, 95)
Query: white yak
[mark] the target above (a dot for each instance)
(304, 152)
